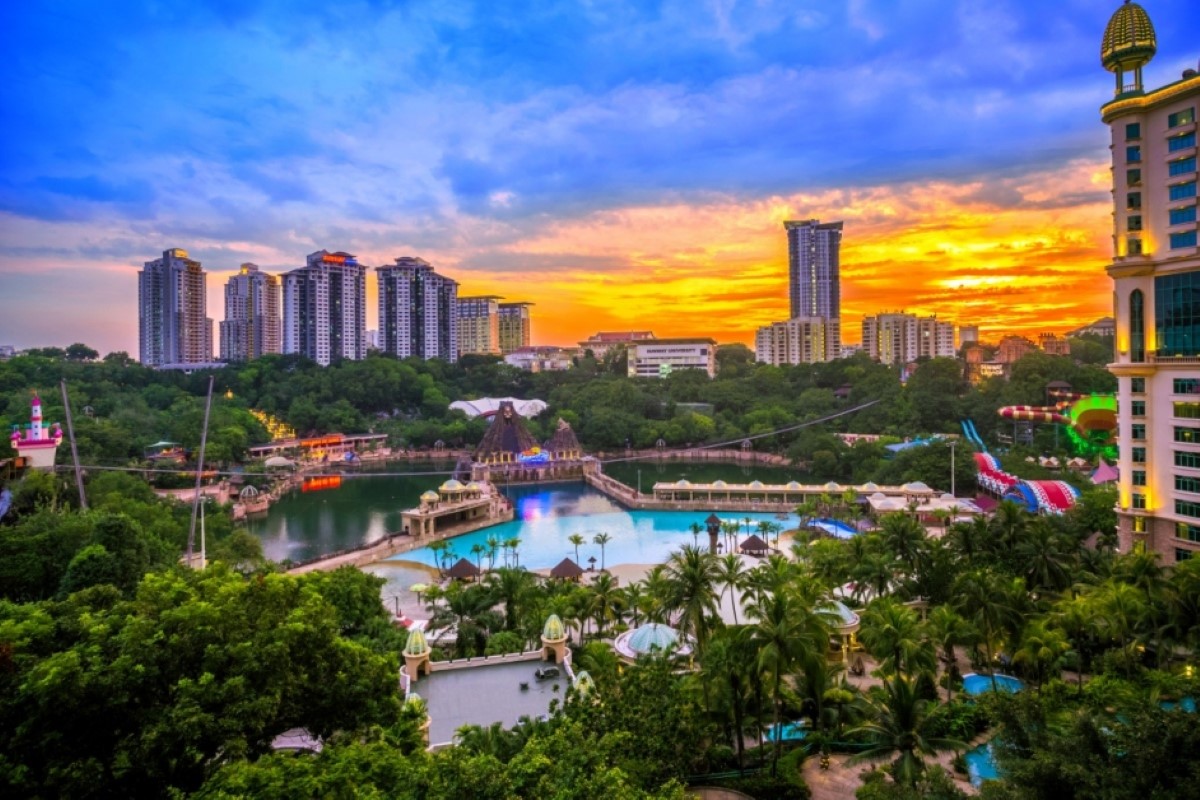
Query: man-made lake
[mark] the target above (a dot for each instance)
(546, 516)
(367, 506)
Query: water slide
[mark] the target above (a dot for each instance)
(969, 431)
(1090, 419)
(1038, 497)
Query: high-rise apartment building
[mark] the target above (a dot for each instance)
(325, 308)
(418, 310)
(814, 278)
(804, 340)
(252, 325)
(968, 334)
(1156, 277)
(903, 338)
(479, 325)
(173, 323)
(514, 327)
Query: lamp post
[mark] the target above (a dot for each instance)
(639, 483)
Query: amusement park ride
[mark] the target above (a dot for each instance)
(1090, 420)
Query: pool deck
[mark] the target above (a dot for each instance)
(455, 697)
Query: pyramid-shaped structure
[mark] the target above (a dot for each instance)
(563, 444)
(506, 438)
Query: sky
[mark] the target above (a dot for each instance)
(620, 165)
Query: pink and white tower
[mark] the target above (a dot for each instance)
(37, 444)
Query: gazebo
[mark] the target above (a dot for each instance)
(845, 625)
(463, 570)
(567, 570)
(754, 546)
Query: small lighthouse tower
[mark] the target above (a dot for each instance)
(36, 443)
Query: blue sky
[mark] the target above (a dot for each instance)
(555, 150)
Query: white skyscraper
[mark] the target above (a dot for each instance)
(325, 308)
(173, 324)
(418, 310)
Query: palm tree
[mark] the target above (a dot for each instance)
(873, 573)
(731, 574)
(512, 587)
(606, 599)
(576, 539)
(696, 528)
(893, 634)
(635, 599)
(730, 529)
(986, 598)
(1046, 561)
(493, 545)
(729, 666)
(747, 520)
(901, 726)
(658, 591)
(602, 539)
(1042, 650)
(439, 549)
(1078, 619)
(1008, 525)
(807, 511)
(469, 610)
(947, 629)
(905, 539)
(512, 544)
(478, 550)
(786, 631)
(692, 575)
(969, 539)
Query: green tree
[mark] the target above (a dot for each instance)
(900, 726)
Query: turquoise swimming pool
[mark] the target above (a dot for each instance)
(975, 684)
(981, 764)
(547, 516)
(787, 731)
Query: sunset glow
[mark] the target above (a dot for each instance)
(618, 165)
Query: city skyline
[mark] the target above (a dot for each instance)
(620, 167)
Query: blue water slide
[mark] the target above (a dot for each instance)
(972, 435)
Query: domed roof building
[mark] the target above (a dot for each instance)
(650, 638)
(1128, 44)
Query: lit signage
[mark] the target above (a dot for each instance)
(321, 483)
(329, 258)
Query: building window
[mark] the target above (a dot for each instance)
(1187, 508)
(1138, 408)
(1139, 501)
(1186, 483)
(1137, 432)
(1135, 222)
(1184, 459)
(1184, 530)
(1185, 239)
(1182, 167)
(1181, 142)
(1133, 177)
(1182, 555)
(1185, 117)
(1137, 385)
(1181, 216)
(1133, 130)
(1138, 455)
(1139, 524)
(1134, 246)
(1185, 386)
(1133, 201)
(1186, 410)
(1182, 191)
(1139, 477)
(1187, 435)
(1137, 326)
(1133, 154)
(1177, 306)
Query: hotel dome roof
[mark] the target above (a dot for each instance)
(553, 629)
(416, 644)
(430, 495)
(1129, 39)
(653, 636)
(451, 486)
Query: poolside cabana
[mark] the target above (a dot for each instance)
(463, 570)
(567, 570)
(754, 546)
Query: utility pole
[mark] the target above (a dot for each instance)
(74, 449)
(199, 471)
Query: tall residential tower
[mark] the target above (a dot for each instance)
(173, 324)
(325, 308)
(514, 326)
(814, 279)
(252, 325)
(1156, 277)
(418, 310)
(479, 325)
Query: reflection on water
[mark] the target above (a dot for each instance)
(365, 508)
(546, 517)
(368, 506)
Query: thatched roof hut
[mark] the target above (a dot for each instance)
(463, 570)
(754, 546)
(567, 570)
(506, 438)
(563, 444)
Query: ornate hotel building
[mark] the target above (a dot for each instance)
(1156, 283)
(479, 325)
